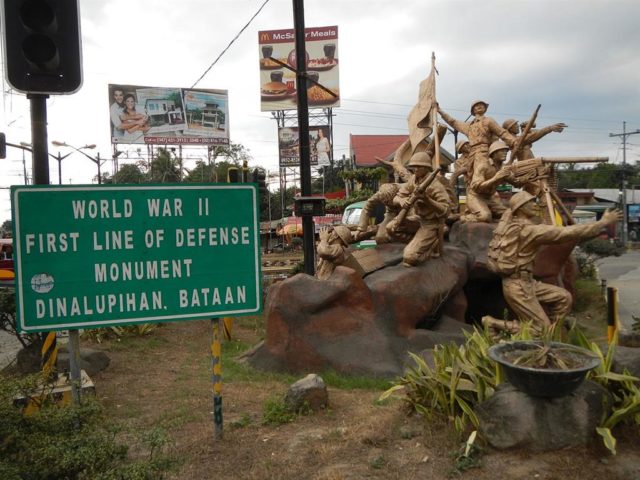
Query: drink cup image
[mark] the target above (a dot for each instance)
(329, 50)
(312, 76)
(267, 51)
(277, 76)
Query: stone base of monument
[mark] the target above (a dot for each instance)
(513, 419)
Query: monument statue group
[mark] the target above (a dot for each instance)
(421, 204)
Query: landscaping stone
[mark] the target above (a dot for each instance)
(309, 392)
(511, 418)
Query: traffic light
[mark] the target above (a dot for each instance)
(42, 46)
(3, 146)
(260, 177)
(233, 175)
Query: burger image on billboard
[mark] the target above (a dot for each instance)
(274, 90)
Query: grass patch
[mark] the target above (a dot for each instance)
(354, 382)
(589, 296)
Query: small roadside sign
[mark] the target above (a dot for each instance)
(99, 256)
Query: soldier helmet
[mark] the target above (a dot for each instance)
(510, 122)
(497, 145)
(519, 199)
(344, 233)
(525, 123)
(420, 159)
(460, 144)
(486, 105)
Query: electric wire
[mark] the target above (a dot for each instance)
(230, 43)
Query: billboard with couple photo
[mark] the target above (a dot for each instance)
(172, 116)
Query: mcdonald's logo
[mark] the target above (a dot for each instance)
(265, 37)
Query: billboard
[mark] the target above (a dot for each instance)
(159, 115)
(319, 142)
(278, 83)
(90, 256)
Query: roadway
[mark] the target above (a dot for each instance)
(623, 273)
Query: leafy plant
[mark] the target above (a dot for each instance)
(8, 320)
(468, 455)
(75, 442)
(461, 377)
(276, 413)
(624, 389)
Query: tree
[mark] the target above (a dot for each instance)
(165, 168)
(603, 175)
(203, 173)
(6, 229)
(234, 153)
(133, 173)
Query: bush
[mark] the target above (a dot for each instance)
(74, 442)
(602, 248)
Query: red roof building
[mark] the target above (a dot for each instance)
(364, 148)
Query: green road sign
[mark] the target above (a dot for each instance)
(97, 256)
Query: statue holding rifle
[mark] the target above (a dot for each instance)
(424, 206)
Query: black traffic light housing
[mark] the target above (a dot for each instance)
(233, 175)
(42, 47)
(260, 177)
(3, 145)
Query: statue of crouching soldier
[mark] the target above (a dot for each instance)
(515, 244)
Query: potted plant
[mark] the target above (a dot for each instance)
(543, 368)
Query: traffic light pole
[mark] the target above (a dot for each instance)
(40, 155)
(308, 230)
(39, 138)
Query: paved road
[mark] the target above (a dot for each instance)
(9, 347)
(623, 272)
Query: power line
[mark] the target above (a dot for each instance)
(230, 43)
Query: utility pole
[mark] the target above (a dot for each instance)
(624, 136)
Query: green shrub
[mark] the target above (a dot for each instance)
(74, 442)
(602, 248)
(463, 376)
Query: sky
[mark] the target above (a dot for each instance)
(579, 59)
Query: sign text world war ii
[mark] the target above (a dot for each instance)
(96, 256)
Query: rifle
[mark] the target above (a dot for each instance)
(520, 142)
(419, 190)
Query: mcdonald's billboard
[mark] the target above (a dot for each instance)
(277, 68)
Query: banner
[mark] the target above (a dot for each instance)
(319, 142)
(278, 83)
(170, 116)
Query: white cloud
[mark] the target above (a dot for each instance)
(578, 58)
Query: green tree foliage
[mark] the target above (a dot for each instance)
(6, 228)
(165, 168)
(603, 175)
(235, 153)
(366, 178)
(133, 173)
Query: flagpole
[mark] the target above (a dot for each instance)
(434, 113)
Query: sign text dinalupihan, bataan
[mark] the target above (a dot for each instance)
(89, 256)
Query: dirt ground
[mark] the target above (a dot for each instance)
(164, 380)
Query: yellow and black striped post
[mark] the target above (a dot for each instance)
(612, 313)
(49, 353)
(216, 377)
(227, 327)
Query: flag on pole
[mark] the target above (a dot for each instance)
(420, 117)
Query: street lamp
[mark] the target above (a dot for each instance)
(28, 147)
(96, 160)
